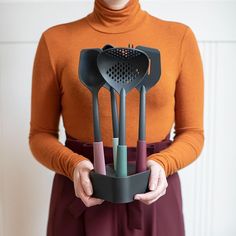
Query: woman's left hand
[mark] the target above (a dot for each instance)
(157, 184)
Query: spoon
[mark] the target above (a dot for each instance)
(115, 125)
(89, 75)
(123, 69)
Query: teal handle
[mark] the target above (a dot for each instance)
(115, 142)
(121, 163)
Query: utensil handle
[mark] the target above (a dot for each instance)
(141, 156)
(114, 113)
(96, 127)
(121, 169)
(99, 159)
(122, 125)
(142, 114)
(115, 142)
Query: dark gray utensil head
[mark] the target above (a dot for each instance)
(155, 68)
(123, 67)
(89, 74)
(107, 46)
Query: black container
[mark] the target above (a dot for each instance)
(115, 189)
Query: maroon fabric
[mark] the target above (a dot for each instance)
(69, 216)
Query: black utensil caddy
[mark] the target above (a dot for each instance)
(119, 189)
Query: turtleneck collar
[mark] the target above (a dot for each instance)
(105, 19)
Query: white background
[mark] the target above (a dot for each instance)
(208, 184)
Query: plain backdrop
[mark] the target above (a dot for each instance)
(208, 184)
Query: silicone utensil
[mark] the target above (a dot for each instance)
(151, 79)
(115, 139)
(93, 80)
(123, 69)
(107, 46)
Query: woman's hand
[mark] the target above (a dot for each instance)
(157, 184)
(82, 184)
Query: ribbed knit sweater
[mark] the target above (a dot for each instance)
(177, 99)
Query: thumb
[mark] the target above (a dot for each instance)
(154, 176)
(86, 182)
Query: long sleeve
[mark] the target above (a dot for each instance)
(45, 114)
(189, 107)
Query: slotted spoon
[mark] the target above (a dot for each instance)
(123, 69)
(115, 125)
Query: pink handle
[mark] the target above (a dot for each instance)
(99, 160)
(141, 164)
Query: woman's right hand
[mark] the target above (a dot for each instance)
(82, 184)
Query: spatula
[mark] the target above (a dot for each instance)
(90, 76)
(150, 80)
(123, 69)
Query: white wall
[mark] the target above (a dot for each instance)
(208, 184)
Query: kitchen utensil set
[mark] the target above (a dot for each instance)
(119, 69)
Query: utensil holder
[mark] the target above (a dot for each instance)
(115, 189)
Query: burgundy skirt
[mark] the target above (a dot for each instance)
(68, 216)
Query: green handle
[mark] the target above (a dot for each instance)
(115, 142)
(121, 163)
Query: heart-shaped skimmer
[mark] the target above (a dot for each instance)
(123, 69)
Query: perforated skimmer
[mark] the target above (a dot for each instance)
(123, 69)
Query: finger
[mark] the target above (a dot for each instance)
(155, 199)
(150, 200)
(149, 196)
(87, 200)
(77, 185)
(86, 183)
(154, 175)
(162, 183)
(90, 201)
(146, 196)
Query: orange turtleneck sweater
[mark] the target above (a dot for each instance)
(176, 98)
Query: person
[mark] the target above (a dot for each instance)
(177, 99)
